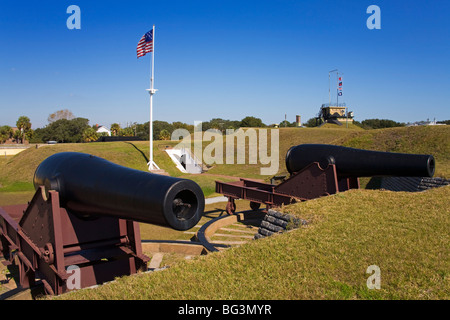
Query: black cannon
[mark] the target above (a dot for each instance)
(352, 162)
(318, 170)
(81, 227)
(90, 186)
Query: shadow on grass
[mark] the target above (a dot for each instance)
(140, 151)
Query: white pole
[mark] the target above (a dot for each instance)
(329, 90)
(151, 164)
(151, 101)
(153, 59)
(329, 86)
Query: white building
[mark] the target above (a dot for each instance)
(103, 129)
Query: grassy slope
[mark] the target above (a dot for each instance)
(288, 137)
(405, 234)
(434, 140)
(16, 172)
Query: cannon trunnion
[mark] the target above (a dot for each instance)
(81, 226)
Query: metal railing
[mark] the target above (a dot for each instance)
(326, 105)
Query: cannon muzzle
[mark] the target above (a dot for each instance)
(89, 186)
(352, 162)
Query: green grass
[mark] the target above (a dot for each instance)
(18, 186)
(21, 167)
(16, 172)
(16, 197)
(405, 234)
(434, 140)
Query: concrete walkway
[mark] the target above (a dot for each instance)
(156, 260)
(215, 199)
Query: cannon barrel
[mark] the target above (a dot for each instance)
(352, 162)
(90, 186)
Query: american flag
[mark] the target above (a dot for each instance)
(145, 45)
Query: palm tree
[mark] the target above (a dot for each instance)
(164, 135)
(24, 125)
(89, 134)
(115, 128)
(6, 132)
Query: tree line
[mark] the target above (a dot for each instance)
(22, 133)
(162, 130)
(64, 127)
(365, 124)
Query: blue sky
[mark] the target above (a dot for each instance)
(226, 59)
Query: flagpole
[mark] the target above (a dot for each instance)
(329, 86)
(337, 89)
(151, 164)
